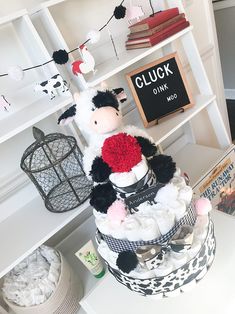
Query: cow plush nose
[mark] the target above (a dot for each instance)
(105, 120)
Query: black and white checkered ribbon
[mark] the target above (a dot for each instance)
(118, 245)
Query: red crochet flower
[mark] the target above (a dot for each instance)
(121, 152)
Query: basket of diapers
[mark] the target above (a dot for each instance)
(42, 283)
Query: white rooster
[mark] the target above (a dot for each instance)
(86, 65)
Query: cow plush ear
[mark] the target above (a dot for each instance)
(76, 97)
(120, 93)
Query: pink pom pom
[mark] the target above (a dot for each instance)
(117, 212)
(203, 206)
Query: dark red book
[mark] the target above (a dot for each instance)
(157, 28)
(155, 20)
(158, 37)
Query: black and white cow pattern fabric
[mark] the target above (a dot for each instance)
(194, 270)
(118, 245)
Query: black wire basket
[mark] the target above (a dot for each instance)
(54, 164)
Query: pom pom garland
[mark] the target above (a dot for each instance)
(119, 12)
(16, 73)
(203, 206)
(60, 56)
(117, 212)
(121, 152)
(127, 261)
(93, 36)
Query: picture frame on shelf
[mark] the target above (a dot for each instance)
(160, 88)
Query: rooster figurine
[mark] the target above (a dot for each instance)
(86, 65)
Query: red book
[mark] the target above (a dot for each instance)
(155, 20)
(149, 38)
(157, 28)
(158, 37)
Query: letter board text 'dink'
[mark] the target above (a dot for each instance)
(159, 89)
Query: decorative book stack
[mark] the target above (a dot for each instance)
(156, 28)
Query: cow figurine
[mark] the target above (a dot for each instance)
(4, 103)
(55, 84)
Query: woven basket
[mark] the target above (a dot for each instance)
(65, 298)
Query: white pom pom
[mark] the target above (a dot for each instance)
(16, 73)
(94, 36)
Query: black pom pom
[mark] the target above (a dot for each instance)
(127, 261)
(103, 99)
(148, 148)
(163, 167)
(100, 171)
(119, 12)
(60, 56)
(102, 196)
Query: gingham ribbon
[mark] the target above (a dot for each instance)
(118, 245)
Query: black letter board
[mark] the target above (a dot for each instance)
(159, 88)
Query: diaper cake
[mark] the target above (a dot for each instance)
(155, 238)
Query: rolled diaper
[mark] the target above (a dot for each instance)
(140, 169)
(164, 269)
(200, 228)
(102, 224)
(195, 248)
(131, 228)
(123, 179)
(177, 172)
(179, 182)
(185, 194)
(178, 259)
(178, 208)
(167, 194)
(165, 220)
(149, 229)
(117, 231)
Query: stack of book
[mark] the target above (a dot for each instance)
(156, 28)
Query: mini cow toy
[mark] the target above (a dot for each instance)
(98, 115)
(55, 84)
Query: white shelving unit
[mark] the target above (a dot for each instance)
(32, 223)
(27, 107)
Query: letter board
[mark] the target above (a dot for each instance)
(159, 89)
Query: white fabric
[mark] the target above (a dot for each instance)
(33, 280)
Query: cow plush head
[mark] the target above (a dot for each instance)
(97, 110)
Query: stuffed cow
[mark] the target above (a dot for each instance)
(117, 157)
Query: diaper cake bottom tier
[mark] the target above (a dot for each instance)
(179, 280)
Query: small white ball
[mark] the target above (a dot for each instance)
(94, 36)
(15, 73)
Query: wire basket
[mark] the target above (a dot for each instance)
(54, 164)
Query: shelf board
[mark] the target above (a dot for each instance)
(127, 58)
(170, 124)
(13, 16)
(18, 121)
(196, 160)
(213, 298)
(28, 228)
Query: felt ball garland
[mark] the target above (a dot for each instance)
(60, 56)
(119, 12)
(93, 36)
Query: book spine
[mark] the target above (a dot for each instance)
(157, 34)
(157, 28)
(159, 38)
(157, 19)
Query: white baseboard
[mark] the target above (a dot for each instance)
(229, 93)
